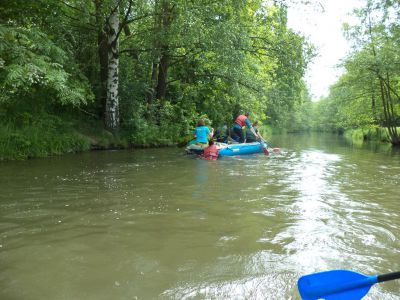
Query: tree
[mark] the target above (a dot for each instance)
(145, 60)
(368, 93)
(33, 67)
(112, 102)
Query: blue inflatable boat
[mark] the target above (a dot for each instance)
(232, 149)
(242, 149)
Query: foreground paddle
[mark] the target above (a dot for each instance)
(339, 284)
(264, 146)
(265, 150)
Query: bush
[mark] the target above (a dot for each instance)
(359, 135)
(38, 141)
(169, 124)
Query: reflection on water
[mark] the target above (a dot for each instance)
(149, 224)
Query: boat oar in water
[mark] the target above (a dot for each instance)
(264, 146)
(339, 284)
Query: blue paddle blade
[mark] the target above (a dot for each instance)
(335, 285)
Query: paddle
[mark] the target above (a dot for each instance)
(264, 146)
(339, 284)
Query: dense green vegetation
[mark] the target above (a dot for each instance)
(123, 72)
(365, 101)
(77, 75)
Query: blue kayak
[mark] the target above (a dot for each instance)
(242, 149)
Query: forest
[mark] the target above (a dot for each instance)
(92, 74)
(365, 101)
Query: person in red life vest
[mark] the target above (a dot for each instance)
(237, 130)
(211, 152)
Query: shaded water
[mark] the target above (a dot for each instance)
(156, 224)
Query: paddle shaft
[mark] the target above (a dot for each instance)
(388, 276)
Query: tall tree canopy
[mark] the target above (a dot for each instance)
(152, 65)
(368, 93)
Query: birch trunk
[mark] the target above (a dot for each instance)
(112, 102)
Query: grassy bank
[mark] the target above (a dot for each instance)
(22, 143)
(55, 136)
(25, 138)
(51, 135)
(360, 135)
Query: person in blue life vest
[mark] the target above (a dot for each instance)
(202, 134)
(237, 129)
(250, 137)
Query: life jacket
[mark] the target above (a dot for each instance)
(241, 120)
(211, 152)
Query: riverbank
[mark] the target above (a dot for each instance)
(360, 135)
(56, 136)
(354, 136)
(20, 144)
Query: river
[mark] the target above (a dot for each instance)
(157, 224)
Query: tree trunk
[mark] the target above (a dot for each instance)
(373, 107)
(153, 81)
(394, 139)
(386, 97)
(103, 57)
(112, 102)
(392, 115)
(166, 20)
(383, 98)
(155, 57)
(162, 74)
(390, 98)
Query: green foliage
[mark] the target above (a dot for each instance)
(224, 58)
(44, 137)
(359, 135)
(215, 61)
(325, 116)
(266, 131)
(367, 95)
(174, 126)
(32, 65)
(296, 118)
